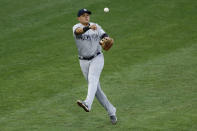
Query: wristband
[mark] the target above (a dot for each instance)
(86, 28)
(104, 35)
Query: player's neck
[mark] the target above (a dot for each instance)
(86, 24)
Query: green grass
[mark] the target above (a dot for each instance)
(149, 74)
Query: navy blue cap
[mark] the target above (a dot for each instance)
(82, 11)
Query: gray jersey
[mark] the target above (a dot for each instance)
(88, 42)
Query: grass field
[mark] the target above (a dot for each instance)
(150, 74)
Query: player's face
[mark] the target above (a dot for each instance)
(84, 19)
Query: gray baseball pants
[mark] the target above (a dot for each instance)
(91, 70)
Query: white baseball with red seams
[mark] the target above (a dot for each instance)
(106, 9)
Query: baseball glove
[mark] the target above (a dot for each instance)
(106, 43)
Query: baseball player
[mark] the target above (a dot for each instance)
(90, 39)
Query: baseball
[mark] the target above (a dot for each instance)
(106, 9)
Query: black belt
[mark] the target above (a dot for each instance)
(89, 58)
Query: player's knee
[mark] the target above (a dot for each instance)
(93, 79)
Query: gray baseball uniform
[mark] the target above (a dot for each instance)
(88, 47)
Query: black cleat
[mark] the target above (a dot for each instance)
(113, 119)
(83, 105)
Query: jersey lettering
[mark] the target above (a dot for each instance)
(83, 37)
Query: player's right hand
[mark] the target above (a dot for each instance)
(93, 27)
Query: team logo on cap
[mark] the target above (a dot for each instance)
(85, 9)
